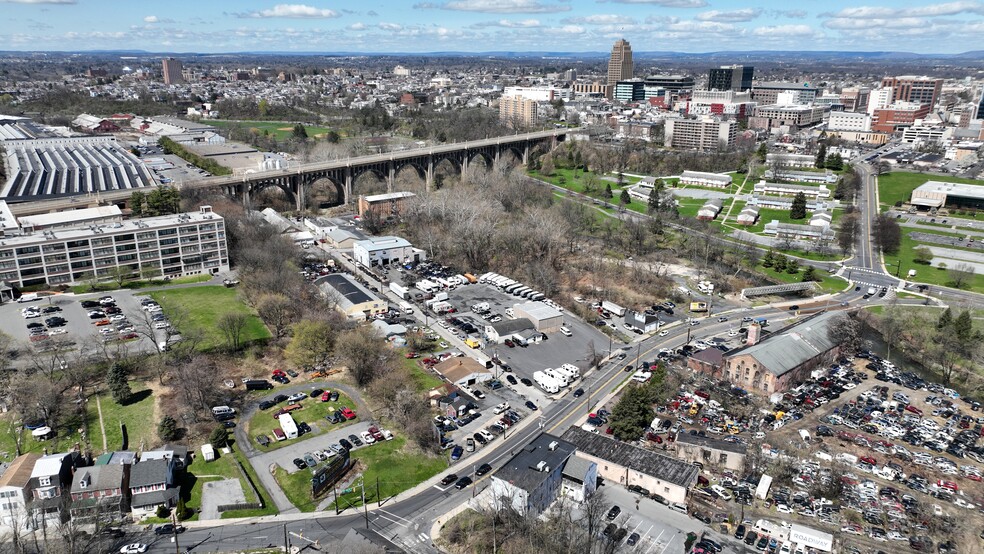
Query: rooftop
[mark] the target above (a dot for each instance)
(148, 472)
(576, 468)
(18, 473)
(70, 216)
(49, 465)
(538, 310)
(785, 86)
(510, 326)
(521, 470)
(788, 348)
(710, 442)
(459, 367)
(348, 292)
(388, 196)
(951, 189)
(99, 477)
(382, 243)
(645, 461)
(706, 175)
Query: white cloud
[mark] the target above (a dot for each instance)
(792, 14)
(601, 19)
(358, 27)
(733, 16)
(932, 10)
(510, 24)
(295, 11)
(390, 26)
(846, 23)
(666, 3)
(495, 6)
(151, 19)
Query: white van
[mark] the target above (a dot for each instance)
(677, 507)
(222, 410)
(566, 332)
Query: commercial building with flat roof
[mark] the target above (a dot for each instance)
(704, 179)
(352, 299)
(530, 481)
(170, 246)
(384, 205)
(706, 133)
(912, 88)
(517, 111)
(768, 92)
(626, 464)
(730, 77)
(897, 116)
(545, 319)
(709, 451)
(939, 194)
(771, 116)
(386, 250)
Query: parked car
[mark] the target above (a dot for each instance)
(613, 513)
(448, 479)
(168, 529)
(463, 482)
(135, 548)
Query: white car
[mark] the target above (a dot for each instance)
(367, 438)
(57, 331)
(297, 397)
(500, 408)
(566, 332)
(135, 548)
(117, 317)
(161, 325)
(663, 333)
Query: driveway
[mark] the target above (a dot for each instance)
(219, 493)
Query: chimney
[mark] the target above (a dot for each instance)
(754, 334)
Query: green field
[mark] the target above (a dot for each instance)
(924, 273)
(138, 416)
(280, 129)
(313, 413)
(423, 380)
(828, 283)
(142, 284)
(204, 307)
(897, 186)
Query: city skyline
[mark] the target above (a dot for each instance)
(490, 25)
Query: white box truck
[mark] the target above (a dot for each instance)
(399, 290)
(406, 307)
(288, 426)
(561, 378)
(613, 308)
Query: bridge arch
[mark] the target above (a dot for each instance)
(418, 165)
(476, 155)
(258, 198)
(323, 191)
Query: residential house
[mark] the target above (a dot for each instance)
(710, 209)
(15, 492)
(100, 493)
(531, 480)
(647, 323)
(153, 484)
(50, 482)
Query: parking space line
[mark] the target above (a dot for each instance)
(667, 545)
(655, 540)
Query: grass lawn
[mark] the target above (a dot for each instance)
(280, 129)
(387, 461)
(205, 306)
(68, 433)
(897, 186)
(766, 215)
(925, 273)
(828, 283)
(104, 287)
(138, 416)
(423, 380)
(313, 412)
(201, 472)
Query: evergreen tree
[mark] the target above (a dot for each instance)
(945, 320)
(118, 385)
(809, 274)
(219, 438)
(821, 156)
(654, 194)
(299, 132)
(624, 198)
(779, 263)
(792, 266)
(797, 209)
(608, 191)
(762, 152)
(835, 162)
(167, 430)
(963, 327)
(768, 259)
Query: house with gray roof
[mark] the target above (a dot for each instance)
(100, 492)
(499, 331)
(784, 357)
(531, 480)
(153, 483)
(626, 464)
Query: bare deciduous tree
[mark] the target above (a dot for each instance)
(232, 325)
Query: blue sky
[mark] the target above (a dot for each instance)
(483, 25)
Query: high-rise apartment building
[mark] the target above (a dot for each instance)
(855, 99)
(730, 77)
(171, 68)
(517, 111)
(918, 90)
(620, 63)
(705, 133)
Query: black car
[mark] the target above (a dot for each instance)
(334, 396)
(168, 529)
(55, 321)
(356, 440)
(279, 398)
(303, 428)
(267, 404)
(750, 538)
(35, 325)
(483, 469)
(345, 444)
(463, 482)
(633, 539)
(316, 393)
(480, 439)
(90, 304)
(740, 532)
(762, 542)
(609, 530)
(301, 464)
(511, 379)
(229, 424)
(619, 535)
(448, 479)
(578, 393)
(613, 513)
(531, 405)
(711, 544)
(50, 309)
(702, 517)
(526, 382)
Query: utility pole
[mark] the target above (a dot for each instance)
(335, 490)
(362, 485)
(174, 532)
(379, 499)
(286, 541)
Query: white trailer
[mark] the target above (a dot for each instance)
(406, 307)
(288, 426)
(612, 308)
(573, 370)
(566, 372)
(440, 307)
(399, 290)
(765, 483)
(560, 377)
(425, 286)
(547, 383)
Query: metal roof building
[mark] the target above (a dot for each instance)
(353, 300)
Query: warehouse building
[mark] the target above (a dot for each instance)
(708, 451)
(463, 371)
(625, 464)
(544, 318)
(386, 250)
(939, 194)
(190, 243)
(384, 205)
(352, 299)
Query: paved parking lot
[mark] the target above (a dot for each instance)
(80, 333)
(296, 448)
(219, 493)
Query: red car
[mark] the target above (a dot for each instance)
(102, 322)
(279, 373)
(947, 485)
(376, 433)
(129, 336)
(348, 414)
(869, 460)
(974, 477)
(326, 396)
(913, 409)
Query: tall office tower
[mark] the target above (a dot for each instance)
(620, 64)
(909, 88)
(172, 71)
(730, 77)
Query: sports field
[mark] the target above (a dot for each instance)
(280, 129)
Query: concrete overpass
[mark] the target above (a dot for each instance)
(297, 181)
